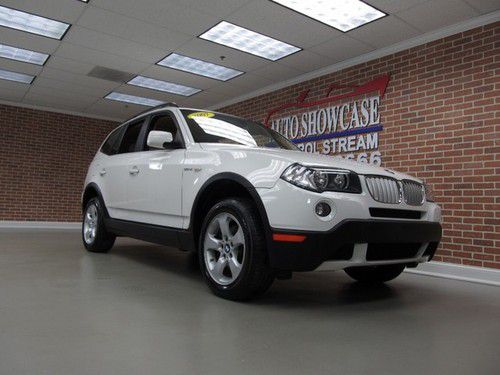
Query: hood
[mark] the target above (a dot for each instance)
(313, 160)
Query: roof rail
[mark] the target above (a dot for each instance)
(163, 105)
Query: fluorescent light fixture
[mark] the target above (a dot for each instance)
(249, 41)
(16, 77)
(156, 84)
(200, 67)
(344, 15)
(24, 55)
(15, 19)
(133, 99)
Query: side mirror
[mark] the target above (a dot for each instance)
(159, 139)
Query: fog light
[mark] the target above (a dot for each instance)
(323, 209)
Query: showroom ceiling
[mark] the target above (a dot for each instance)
(123, 49)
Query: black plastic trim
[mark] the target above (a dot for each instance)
(321, 246)
(161, 235)
(247, 185)
(395, 213)
(93, 186)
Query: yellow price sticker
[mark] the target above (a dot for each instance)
(201, 114)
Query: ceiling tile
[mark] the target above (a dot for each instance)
(77, 79)
(24, 40)
(70, 88)
(306, 61)
(220, 8)
(131, 29)
(227, 89)
(159, 12)
(12, 91)
(114, 109)
(113, 45)
(394, 6)
(276, 72)
(20, 67)
(435, 14)
(281, 23)
(384, 32)
(79, 53)
(342, 48)
(202, 100)
(76, 96)
(68, 65)
(484, 6)
(47, 97)
(251, 81)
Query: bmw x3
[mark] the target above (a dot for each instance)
(250, 204)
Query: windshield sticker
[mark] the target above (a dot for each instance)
(201, 114)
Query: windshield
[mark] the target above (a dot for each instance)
(211, 127)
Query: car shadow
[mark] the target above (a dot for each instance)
(312, 289)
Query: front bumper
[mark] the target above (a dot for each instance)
(357, 243)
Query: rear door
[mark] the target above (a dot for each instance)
(154, 189)
(115, 170)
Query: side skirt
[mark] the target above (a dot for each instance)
(175, 237)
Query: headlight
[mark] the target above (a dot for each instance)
(320, 180)
(429, 193)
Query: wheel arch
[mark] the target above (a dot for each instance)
(91, 191)
(216, 188)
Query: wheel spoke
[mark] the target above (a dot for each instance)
(219, 267)
(224, 226)
(235, 267)
(238, 238)
(212, 243)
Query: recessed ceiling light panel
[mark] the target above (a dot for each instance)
(249, 41)
(133, 99)
(24, 55)
(15, 19)
(156, 84)
(200, 67)
(16, 77)
(344, 15)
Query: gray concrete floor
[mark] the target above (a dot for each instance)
(144, 309)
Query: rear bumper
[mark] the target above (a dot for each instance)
(356, 243)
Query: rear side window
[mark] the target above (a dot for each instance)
(130, 138)
(110, 147)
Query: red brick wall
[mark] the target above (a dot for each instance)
(441, 118)
(43, 161)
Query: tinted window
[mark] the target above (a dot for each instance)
(166, 123)
(110, 147)
(210, 127)
(129, 140)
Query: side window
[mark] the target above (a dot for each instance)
(166, 123)
(110, 147)
(130, 137)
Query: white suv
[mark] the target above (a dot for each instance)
(251, 204)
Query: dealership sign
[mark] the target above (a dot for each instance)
(346, 124)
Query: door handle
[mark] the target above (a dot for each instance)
(102, 172)
(133, 171)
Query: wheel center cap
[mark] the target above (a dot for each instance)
(227, 248)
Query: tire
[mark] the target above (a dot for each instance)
(375, 274)
(242, 242)
(95, 237)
